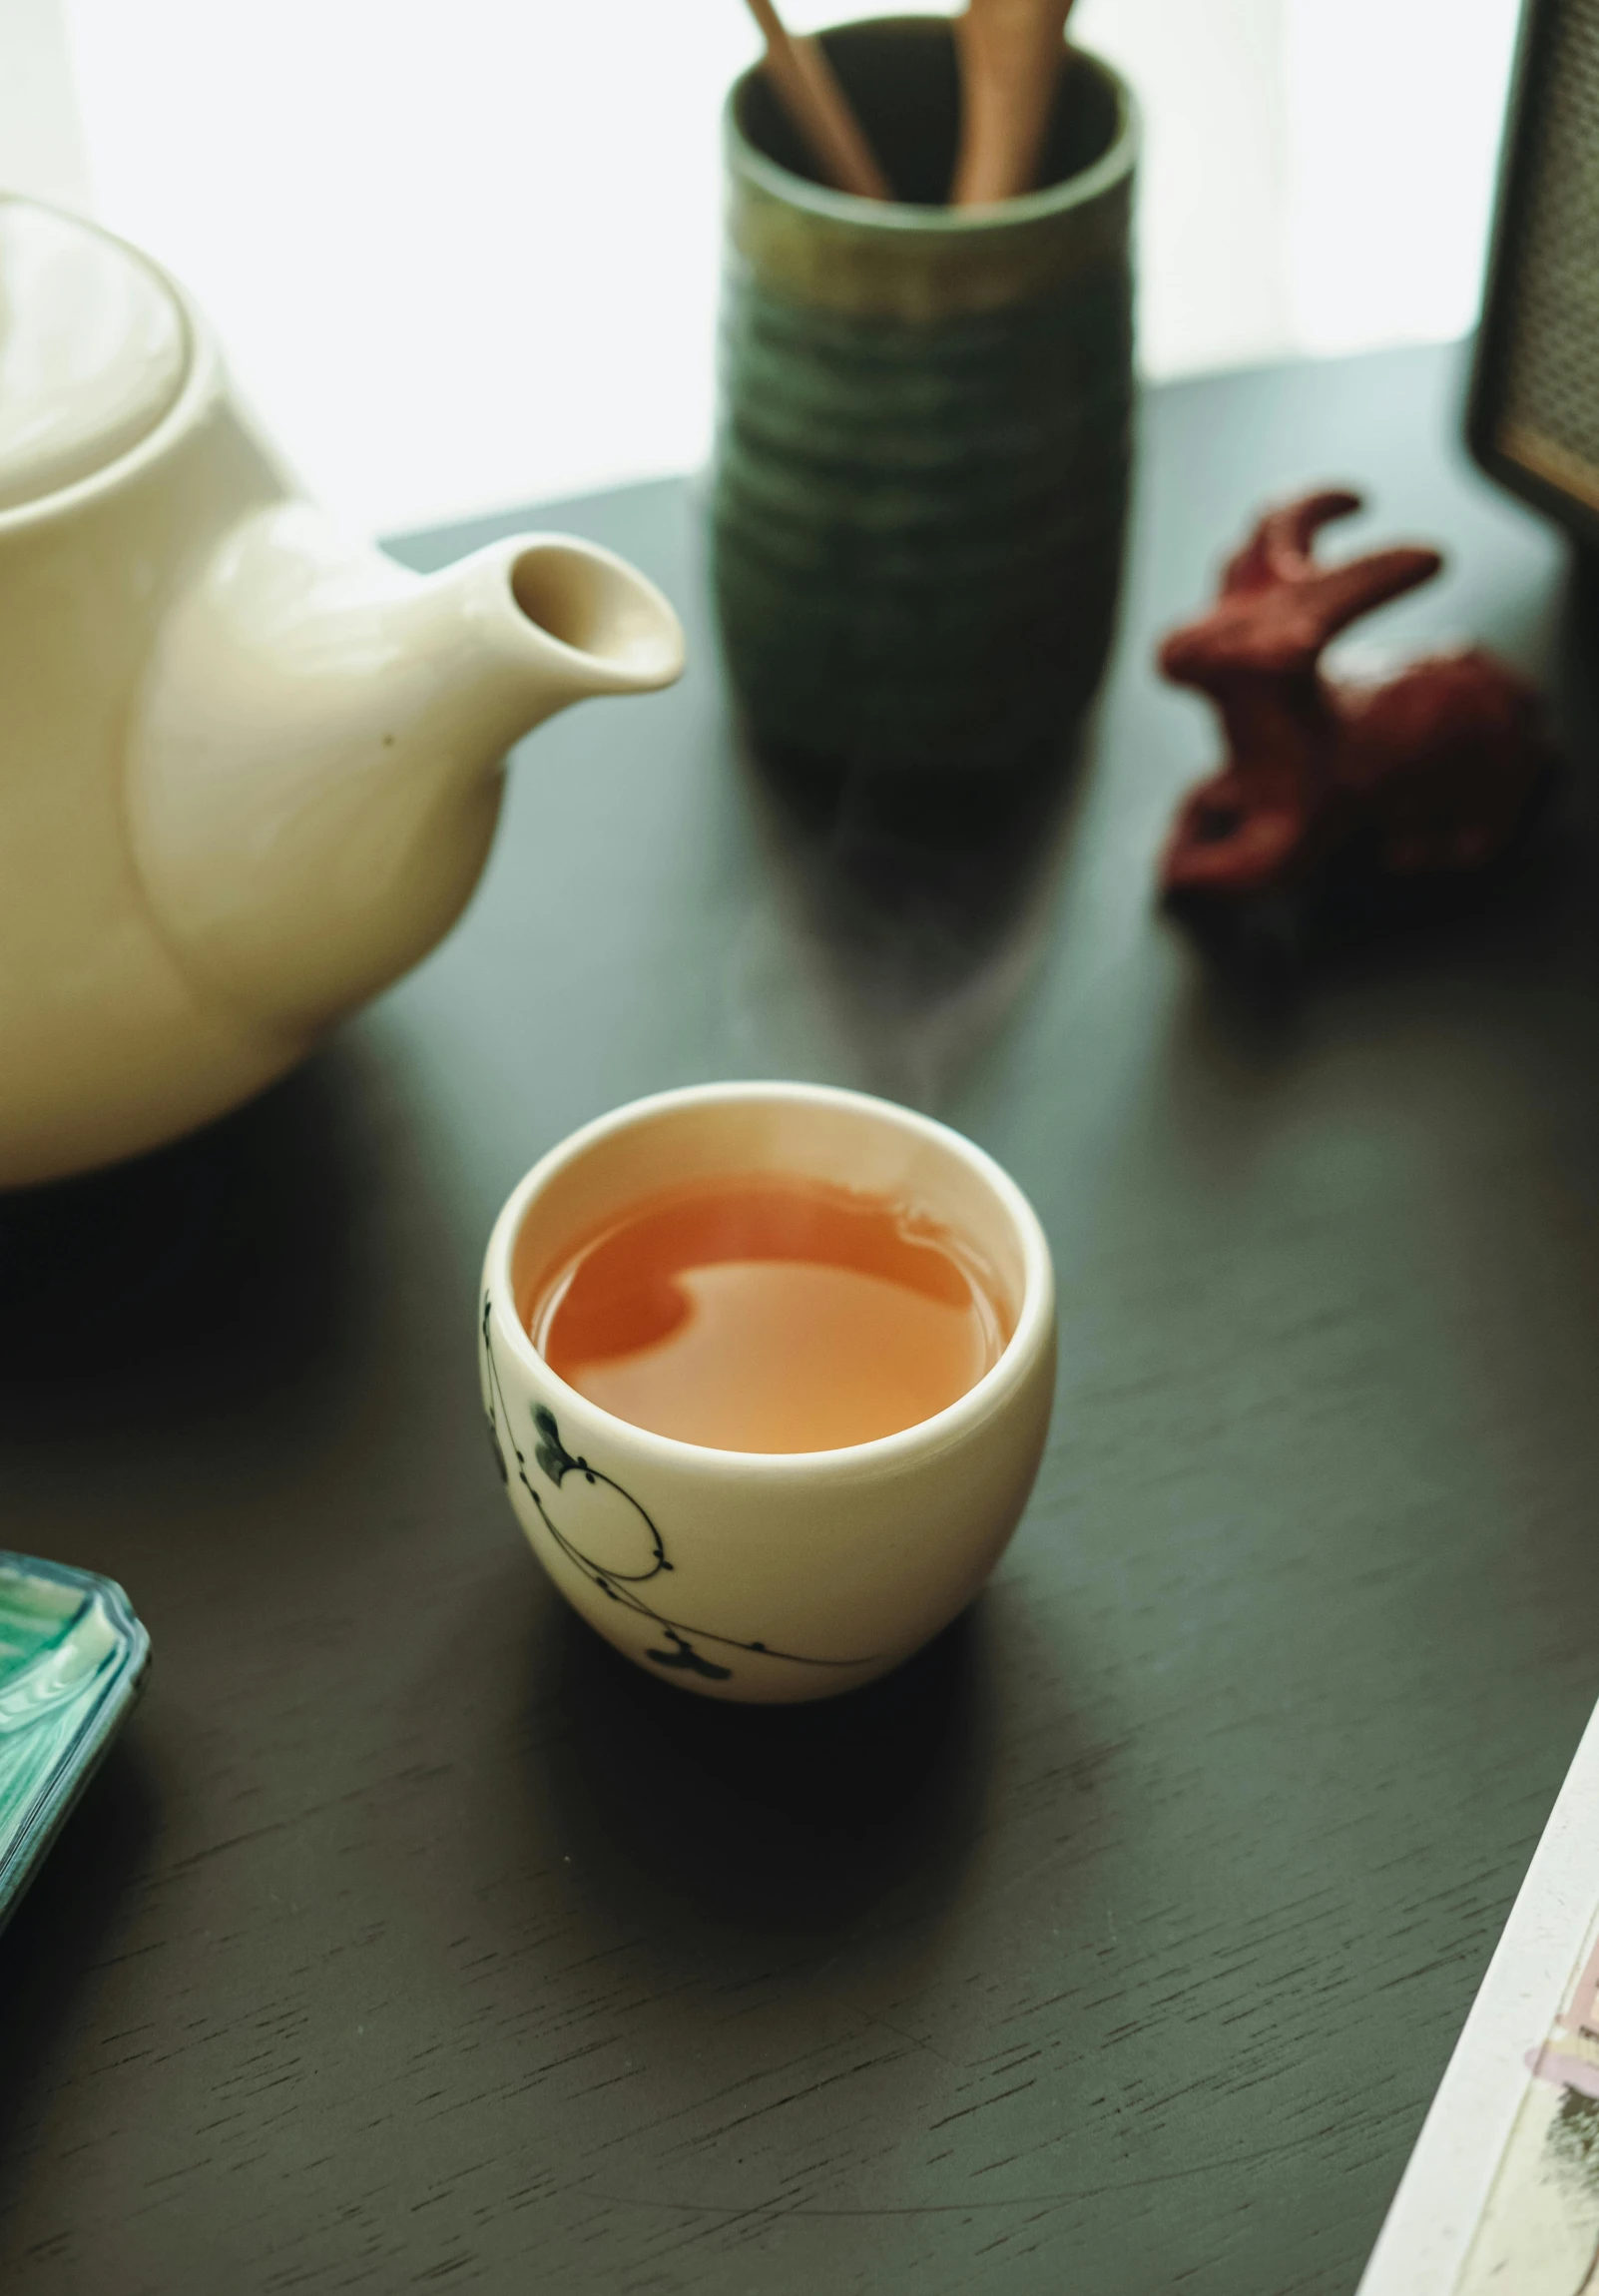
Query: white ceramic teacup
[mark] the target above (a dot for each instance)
(759, 1575)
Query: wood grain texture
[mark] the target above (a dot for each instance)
(409, 1939)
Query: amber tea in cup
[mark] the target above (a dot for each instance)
(768, 1372)
(770, 1312)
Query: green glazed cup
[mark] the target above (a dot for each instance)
(924, 436)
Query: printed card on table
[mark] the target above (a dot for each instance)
(1501, 2194)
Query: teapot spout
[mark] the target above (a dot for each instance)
(317, 765)
(599, 626)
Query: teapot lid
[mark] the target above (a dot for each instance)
(94, 350)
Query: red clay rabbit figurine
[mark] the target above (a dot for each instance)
(1428, 776)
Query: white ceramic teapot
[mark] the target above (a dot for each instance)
(249, 770)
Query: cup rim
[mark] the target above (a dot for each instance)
(925, 222)
(883, 1453)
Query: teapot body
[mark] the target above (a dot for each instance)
(109, 1042)
(250, 767)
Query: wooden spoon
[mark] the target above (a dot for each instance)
(809, 92)
(1011, 52)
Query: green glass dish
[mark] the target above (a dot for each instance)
(71, 1662)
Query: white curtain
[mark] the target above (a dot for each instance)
(466, 256)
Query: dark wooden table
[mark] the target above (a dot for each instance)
(408, 1939)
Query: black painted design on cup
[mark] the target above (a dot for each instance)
(630, 1537)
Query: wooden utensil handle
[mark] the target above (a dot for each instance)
(809, 91)
(1010, 64)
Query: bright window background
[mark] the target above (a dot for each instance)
(465, 256)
